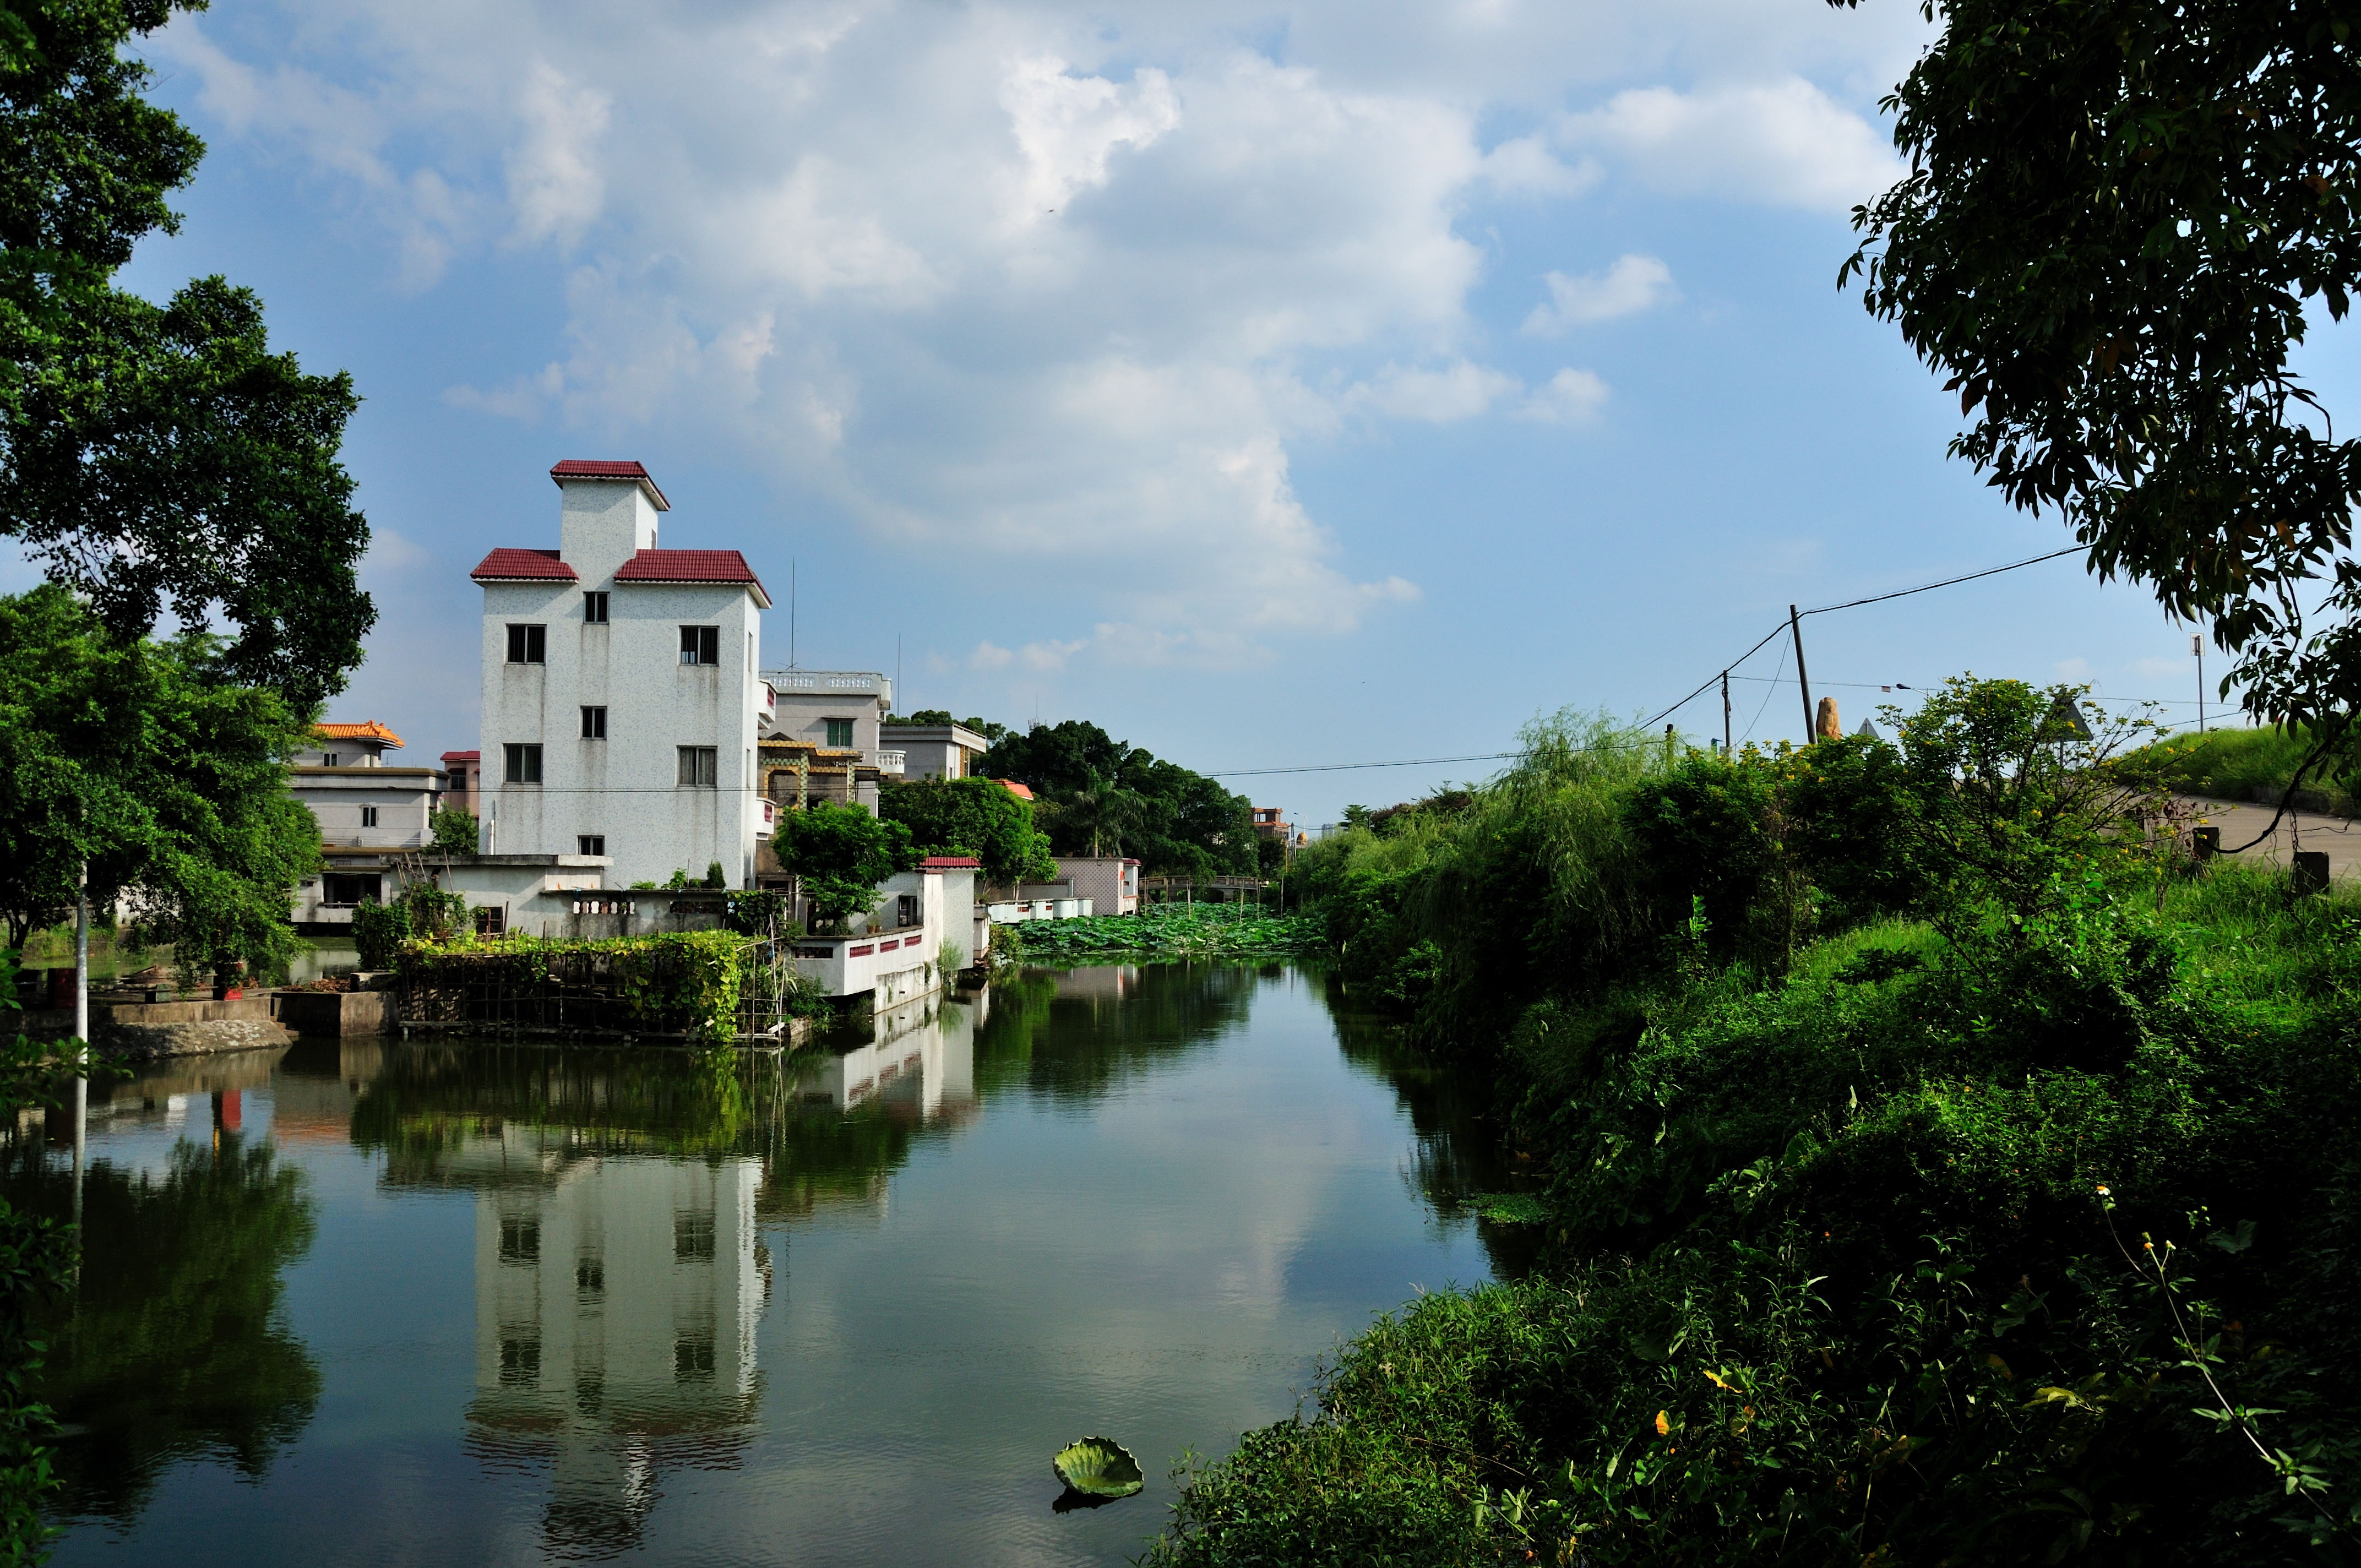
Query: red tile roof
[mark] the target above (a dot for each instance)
(524, 567)
(372, 731)
(463, 756)
(1018, 790)
(600, 468)
(692, 566)
(950, 862)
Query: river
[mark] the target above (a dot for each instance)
(384, 1302)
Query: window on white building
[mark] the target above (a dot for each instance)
(700, 644)
(528, 645)
(590, 843)
(332, 758)
(369, 815)
(594, 609)
(524, 763)
(594, 724)
(699, 767)
(839, 731)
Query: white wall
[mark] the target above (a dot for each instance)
(623, 788)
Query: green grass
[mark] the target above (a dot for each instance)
(2233, 763)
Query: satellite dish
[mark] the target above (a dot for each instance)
(2064, 721)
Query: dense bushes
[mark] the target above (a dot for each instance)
(1940, 1169)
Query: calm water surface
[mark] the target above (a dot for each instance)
(372, 1302)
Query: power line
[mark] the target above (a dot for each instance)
(1347, 767)
(1852, 604)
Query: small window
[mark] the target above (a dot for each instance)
(524, 763)
(492, 920)
(332, 758)
(528, 645)
(519, 1239)
(906, 909)
(699, 767)
(594, 609)
(590, 843)
(458, 779)
(343, 890)
(692, 1360)
(594, 724)
(839, 731)
(700, 644)
(369, 815)
(692, 1234)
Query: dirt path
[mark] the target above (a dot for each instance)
(2241, 821)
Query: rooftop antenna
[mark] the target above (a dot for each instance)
(898, 667)
(791, 614)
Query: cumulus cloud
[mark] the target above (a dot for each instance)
(1786, 142)
(1017, 285)
(1570, 396)
(1633, 284)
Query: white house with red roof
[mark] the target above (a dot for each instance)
(622, 693)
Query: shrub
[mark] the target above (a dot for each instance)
(378, 931)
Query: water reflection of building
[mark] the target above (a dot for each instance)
(919, 1060)
(616, 1302)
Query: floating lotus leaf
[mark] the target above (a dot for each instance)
(1099, 1466)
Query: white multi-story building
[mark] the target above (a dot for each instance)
(369, 812)
(622, 697)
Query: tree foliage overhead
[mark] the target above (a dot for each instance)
(1125, 800)
(2120, 219)
(156, 458)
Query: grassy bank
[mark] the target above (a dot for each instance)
(2235, 764)
(1939, 1171)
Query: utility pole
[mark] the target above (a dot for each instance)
(1725, 713)
(2197, 646)
(1795, 625)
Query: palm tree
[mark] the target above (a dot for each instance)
(1103, 809)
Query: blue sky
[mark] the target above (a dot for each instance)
(1275, 385)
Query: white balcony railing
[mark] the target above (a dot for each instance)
(891, 762)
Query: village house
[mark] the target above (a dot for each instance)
(934, 750)
(622, 698)
(370, 812)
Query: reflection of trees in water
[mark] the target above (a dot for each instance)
(450, 1116)
(1458, 1150)
(1078, 1032)
(172, 1346)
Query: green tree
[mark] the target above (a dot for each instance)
(972, 817)
(840, 853)
(1173, 819)
(455, 830)
(156, 456)
(136, 759)
(2118, 219)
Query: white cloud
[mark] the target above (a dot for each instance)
(1459, 390)
(1023, 288)
(1570, 396)
(2070, 671)
(554, 184)
(1633, 284)
(1786, 143)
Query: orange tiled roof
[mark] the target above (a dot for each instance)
(1018, 790)
(372, 731)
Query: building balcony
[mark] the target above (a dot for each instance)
(890, 761)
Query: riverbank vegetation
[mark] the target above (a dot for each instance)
(1940, 1167)
(1167, 931)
